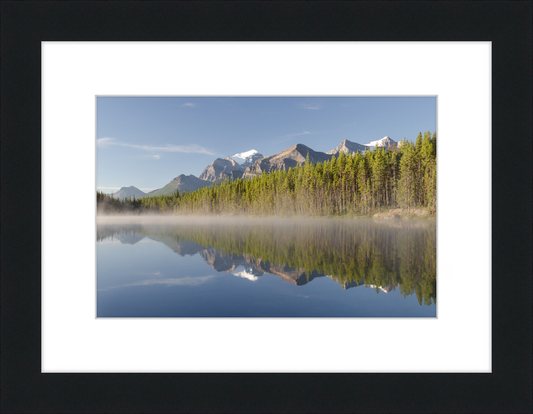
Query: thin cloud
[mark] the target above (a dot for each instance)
(103, 141)
(187, 149)
(190, 105)
(314, 107)
(288, 137)
(185, 281)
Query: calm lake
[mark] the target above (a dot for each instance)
(238, 267)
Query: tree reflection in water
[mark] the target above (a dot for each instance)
(380, 254)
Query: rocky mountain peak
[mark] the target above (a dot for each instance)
(347, 147)
(232, 161)
(220, 168)
(289, 158)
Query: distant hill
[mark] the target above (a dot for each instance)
(126, 192)
(182, 183)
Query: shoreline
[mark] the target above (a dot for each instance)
(383, 216)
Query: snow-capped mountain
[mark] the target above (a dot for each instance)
(244, 155)
(247, 158)
(383, 142)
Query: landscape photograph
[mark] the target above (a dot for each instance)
(266, 206)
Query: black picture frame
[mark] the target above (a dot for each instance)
(24, 25)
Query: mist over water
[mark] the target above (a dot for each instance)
(237, 266)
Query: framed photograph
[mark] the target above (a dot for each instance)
(144, 353)
(291, 233)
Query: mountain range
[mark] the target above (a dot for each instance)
(251, 163)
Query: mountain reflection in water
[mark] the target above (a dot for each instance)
(352, 252)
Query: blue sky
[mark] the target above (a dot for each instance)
(146, 142)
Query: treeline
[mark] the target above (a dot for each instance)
(402, 176)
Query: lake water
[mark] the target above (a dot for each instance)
(236, 267)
